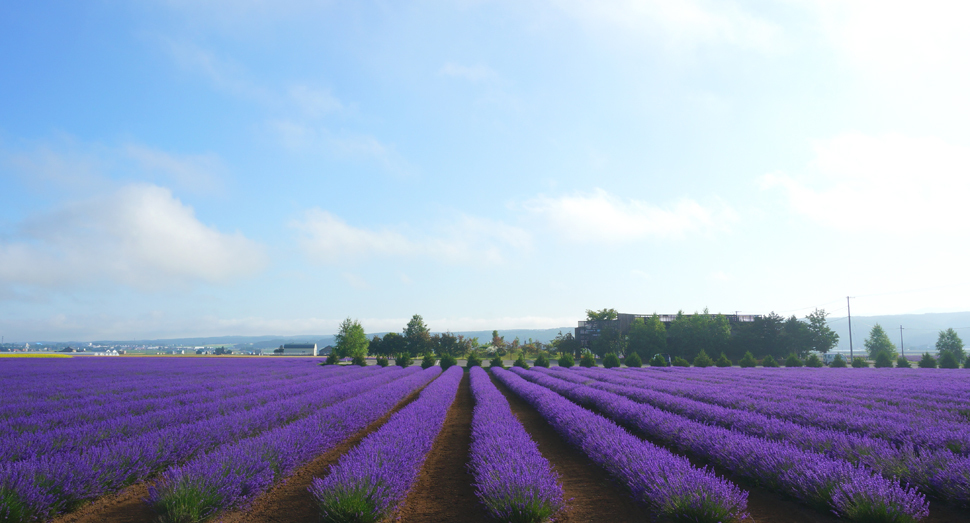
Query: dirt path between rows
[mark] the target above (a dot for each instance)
(443, 491)
(290, 501)
(594, 497)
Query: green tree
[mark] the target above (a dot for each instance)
(646, 337)
(608, 341)
(723, 361)
(927, 361)
(588, 360)
(499, 343)
(633, 360)
(566, 344)
(391, 344)
(950, 342)
(883, 361)
(878, 341)
(520, 362)
(839, 362)
(859, 363)
(376, 346)
(949, 361)
(822, 338)
(813, 361)
(428, 361)
(447, 361)
(403, 360)
(769, 361)
(417, 338)
(748, 360)
(680, 362)
(605, 314)
(703, 360)
(902, 362)
(566, 360)
(473, 361)
(796, 337)
(611, 360)
(658, 361)
(351, 340)
(689, 335)
(450, 344)
(793, 361)
(542, 360)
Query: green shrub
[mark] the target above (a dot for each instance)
(927, 361)
(793, 361)
(611, 361)
(949, 361)
(902, 362)
(403, 360)
(447, 361)
(588, 360)
(723, 361)
(813, 361)
(382, 361)
(520, 362)
(473, 361)
(633, 360)
(566, 361)
(883, 360)
(496, 362)
(541, 360)
(966, 363)
(859, 363)
(703, 360)
(748, 360)
(658, 361)
(332, 359)
(769, 361)
(838, 362)
(428, 361)
(680, 362)
(359, 360)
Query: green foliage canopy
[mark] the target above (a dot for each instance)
(878, 342)
(351, 340)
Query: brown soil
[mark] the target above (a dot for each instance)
(290, 501)
(590, 494)
(443, 491)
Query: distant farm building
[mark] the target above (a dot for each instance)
(297, 349)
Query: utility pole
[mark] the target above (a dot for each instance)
(847, 306)
(902, 348)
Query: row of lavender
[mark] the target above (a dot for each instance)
(45, 484)
(935, 471)
(851, 491)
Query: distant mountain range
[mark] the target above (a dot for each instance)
(919, 333)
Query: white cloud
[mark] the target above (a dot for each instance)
(308, 138)
(199, 173)
(475, 73)
(677, 24)
(890, 183)
(325, 238)
(139, 235)
(314, 102)
(598, 216)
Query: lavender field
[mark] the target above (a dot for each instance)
(211, 438)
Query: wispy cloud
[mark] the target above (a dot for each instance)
(599, 217)
(308, 138)
(475, 73)
(140, 236)
(198, 173)
(327, 239)
(888, 183)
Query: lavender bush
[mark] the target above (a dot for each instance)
(370, 481)
(512, 479)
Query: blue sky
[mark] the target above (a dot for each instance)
(183, 168)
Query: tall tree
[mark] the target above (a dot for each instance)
(351, 340)
(499, 343)
(950, 342)
(879, 342)
(449, 344)
(566, 344)
(417, 336)
(822, 338)
(796, 337)
(647, 337)
(609, 340)
(392, 344)
(605, 314)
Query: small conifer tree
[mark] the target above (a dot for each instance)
(359, 360)
(567, 361)
(428, 361)
(658, 361)
(588, 360)
(447, 361)
(813, 361)
(611, 360)
(520, 362)
(403, 360)
(927, 361)
(542, 360)
(680, 362)
(473, 361)
(332, 359)
(496, 362)
(703, 360)
(382, 361)
(769, 361)
(883, 361)
(839, 362)
(633, 360)
(723, 361)
(748, 360)
(859, 363)
(793, 361)
(949, 361)
(902, 362)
